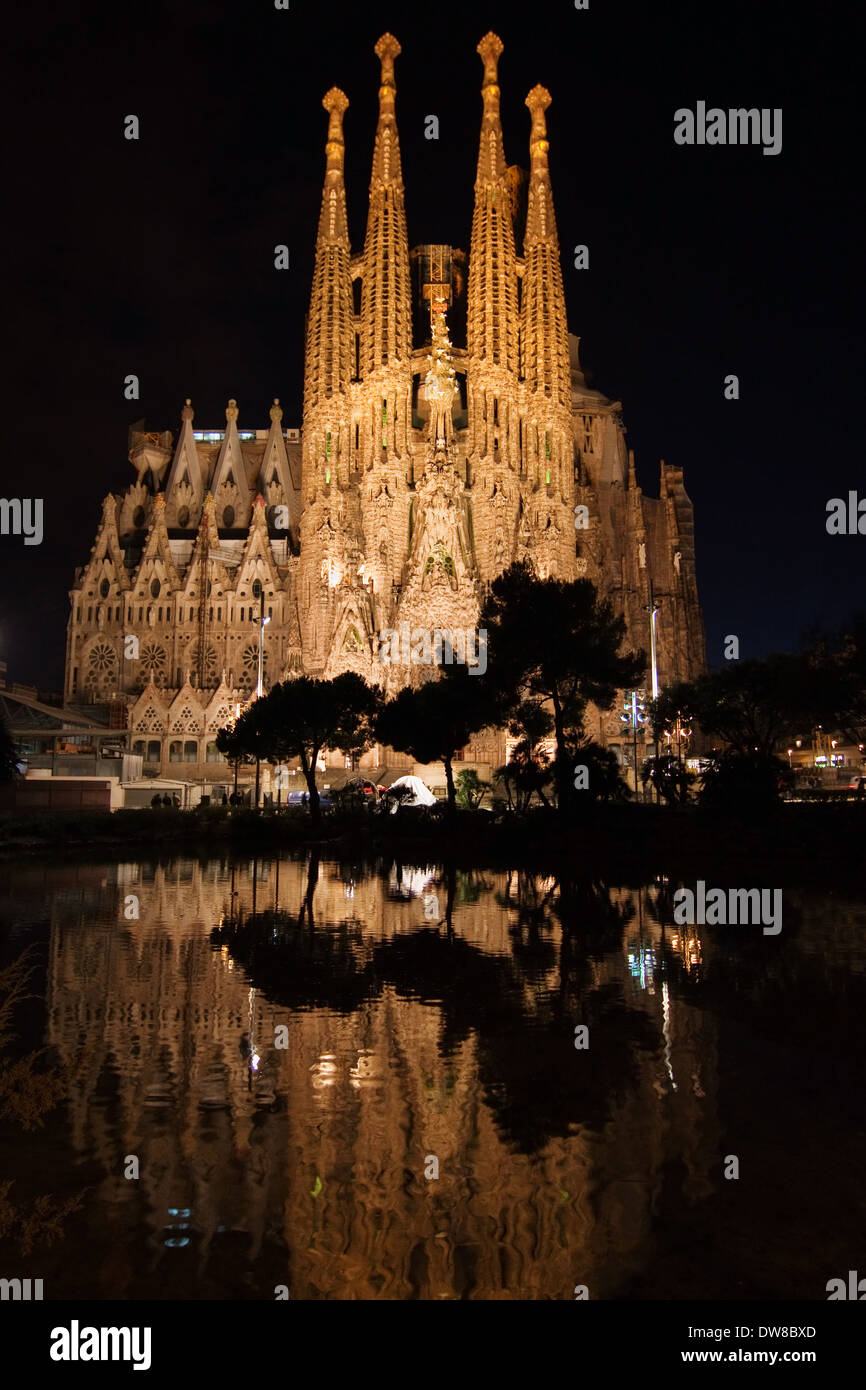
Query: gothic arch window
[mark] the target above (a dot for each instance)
(228, 517)
(183, 517)
(187, 721)
(220, 718)
(154, 751)
(150, 721)
(104, 588)
(138, 517)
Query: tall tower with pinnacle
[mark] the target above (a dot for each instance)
(330, 523)
(493, 337)
(548, 453)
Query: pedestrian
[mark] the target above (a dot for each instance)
(156, 800)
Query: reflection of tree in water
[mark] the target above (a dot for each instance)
(586, 912)
(535, 1082)
(27, 1094)
(530, 896)
(301, 969)
(471, 884)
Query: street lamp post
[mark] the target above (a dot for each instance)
(635, 716)
(263, 622)
(652, 608)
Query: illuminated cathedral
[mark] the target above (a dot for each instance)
(421, 470)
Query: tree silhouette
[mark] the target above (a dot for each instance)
(556, 643)
(299, 718)
(432, 722)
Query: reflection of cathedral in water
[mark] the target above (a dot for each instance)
(428, 1015)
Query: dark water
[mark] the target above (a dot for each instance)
(430, 1017)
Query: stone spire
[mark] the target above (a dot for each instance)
(544, 338)
(330, 332)
(386, 298)
(492, 308)
(440, 381)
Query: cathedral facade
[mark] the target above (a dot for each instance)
(421, 470)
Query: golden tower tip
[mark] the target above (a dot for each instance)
(335, 100)
(387, 47)
(539, 99)
(490, 50)
(386, 50)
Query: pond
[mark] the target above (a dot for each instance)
(301, 1077)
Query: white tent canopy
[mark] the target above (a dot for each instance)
(421, 793)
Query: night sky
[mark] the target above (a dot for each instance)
(156, 257)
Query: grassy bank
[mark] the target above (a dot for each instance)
(809, 842)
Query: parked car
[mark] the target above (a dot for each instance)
(299, 798)
(361, 787)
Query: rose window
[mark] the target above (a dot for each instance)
(102, 663)
(210, 665)
(153, 660)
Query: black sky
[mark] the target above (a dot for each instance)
(156, 257)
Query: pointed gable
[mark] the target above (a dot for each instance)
(258, 560)
(106, 557)
(186, 711)
(276, 481)
(150, 712)
(220, 709)
(351, 637)
(229, 484)
(157, 564)
(186, 482)
(207, 537)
